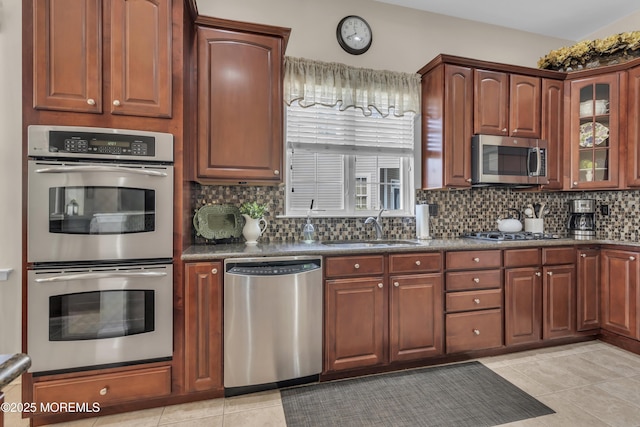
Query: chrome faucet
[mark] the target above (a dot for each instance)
(377, 224)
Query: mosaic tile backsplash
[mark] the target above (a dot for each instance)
(459, 212)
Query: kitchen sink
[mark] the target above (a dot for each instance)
(369, 243)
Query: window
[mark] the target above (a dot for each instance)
(348, 163)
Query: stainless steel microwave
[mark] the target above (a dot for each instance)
(502, 160)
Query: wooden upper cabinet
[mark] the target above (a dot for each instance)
(506, 104)
(67, 55)
(593, 147)
(491, 102)
(240, 106)
(552, 130)
(141, 57)
(68, 71)
(633, 130)
(447, 121)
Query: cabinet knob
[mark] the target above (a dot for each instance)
(91, 101)
(468, 179)
(476, 331)
(103, 391)
(575, 182)
(214, 271)
(632, 258)
(505, 129)
(396, 284)
(116, 103)
(476, 300)
(476, 279)
(550, 273)
(418, 262)
(583, 255)
(538, 274)
(356, 266)
(276, 172)
(380, 285)
(476, 260)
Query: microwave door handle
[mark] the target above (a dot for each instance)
(67, 169)
(538, 162)
(108, 275)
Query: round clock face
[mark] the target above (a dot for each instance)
(354, 35)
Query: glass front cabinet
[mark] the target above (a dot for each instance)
(594, 137)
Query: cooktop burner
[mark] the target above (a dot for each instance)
(501, 235)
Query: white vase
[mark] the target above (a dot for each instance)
(252, 229)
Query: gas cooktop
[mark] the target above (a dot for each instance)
(501, 235)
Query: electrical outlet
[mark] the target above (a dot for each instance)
(433, 210)
(604, 209)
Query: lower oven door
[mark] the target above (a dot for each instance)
(83, 211)
(84, 317)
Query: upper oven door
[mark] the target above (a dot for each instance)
(82, 211)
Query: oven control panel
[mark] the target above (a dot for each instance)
(101, 144)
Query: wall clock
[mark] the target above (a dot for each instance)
(354, 35)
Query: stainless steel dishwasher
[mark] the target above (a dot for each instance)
(272, 321)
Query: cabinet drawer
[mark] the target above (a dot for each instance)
(474, 330)
(474, 300)
(354, 266)
(473, 259)
(558, 256)
(415, 263)
(469, 280)
(521, 257)
(106, 389)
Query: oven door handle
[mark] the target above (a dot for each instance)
(66, 169)
(109, 275)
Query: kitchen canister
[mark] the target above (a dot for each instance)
(422, 222)
(534, 225)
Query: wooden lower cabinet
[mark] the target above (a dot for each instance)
(354, 323)
(377, 319)
(523, 305)
(415, 321)
(559, 301)
(105, 389)
(588, 290)
(620, 278)
(474, 330)
(203, 326)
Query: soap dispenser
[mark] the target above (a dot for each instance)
(308, 232)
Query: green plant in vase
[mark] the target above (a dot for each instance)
(254, 210)
(255, 224)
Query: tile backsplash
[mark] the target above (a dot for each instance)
(459, 211)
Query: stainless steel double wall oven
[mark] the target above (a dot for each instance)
(99, 247)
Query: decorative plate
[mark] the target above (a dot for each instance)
(218, 222)
(590, 131)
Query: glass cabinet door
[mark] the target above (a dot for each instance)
(594, 142)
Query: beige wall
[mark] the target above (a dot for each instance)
(403, 39)
(628, 23)
(10, 173)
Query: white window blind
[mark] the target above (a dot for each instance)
(348, 163)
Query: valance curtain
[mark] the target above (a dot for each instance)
(328, 83)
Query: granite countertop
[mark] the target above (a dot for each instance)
(12, 366)
(208, 252)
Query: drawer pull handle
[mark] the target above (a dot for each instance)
(476, 331)
(91, 101)
(418, 262)
(356, 266)
(476, 259)
(550, 273)
(632, 258)
(538, 274)
(583, 255)
(103, 391)
(396, 284)
(116, 103)
(476, 279)
(476, 300)
(380, 285)
(276, 172)
(214, 271)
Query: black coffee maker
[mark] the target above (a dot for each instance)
(582, 219)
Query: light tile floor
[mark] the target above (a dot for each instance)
(587, 384)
